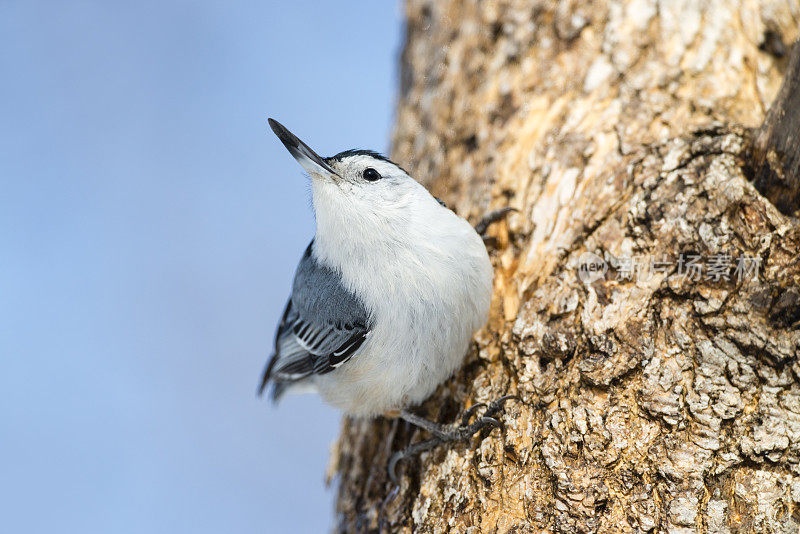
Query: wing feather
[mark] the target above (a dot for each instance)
(323, 326)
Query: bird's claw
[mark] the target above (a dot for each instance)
(492, 217)
(496, 406)
(492, 409)
(446, 434)
(489, 421)
(469, 412)
(411, 450)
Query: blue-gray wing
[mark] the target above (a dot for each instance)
(324, 325)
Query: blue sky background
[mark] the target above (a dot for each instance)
(150, 223)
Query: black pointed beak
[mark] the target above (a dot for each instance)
(310, 160)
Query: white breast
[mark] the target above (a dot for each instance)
(427, 281)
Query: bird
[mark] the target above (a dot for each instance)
(386, 297)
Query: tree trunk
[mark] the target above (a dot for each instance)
(661, 390)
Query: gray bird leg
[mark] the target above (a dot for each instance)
(491, 217)
(448, 433)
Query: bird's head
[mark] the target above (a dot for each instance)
(358, 186)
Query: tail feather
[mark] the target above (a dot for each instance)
(278, 390)
(266, 375)
(280, 384)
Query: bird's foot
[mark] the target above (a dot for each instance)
(449, 433)
(491, 217)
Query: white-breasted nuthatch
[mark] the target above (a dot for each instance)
(387, 295)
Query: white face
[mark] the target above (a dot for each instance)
(368, 187)
(370, 179)
(358, 189)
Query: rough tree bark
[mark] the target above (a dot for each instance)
(653, 402)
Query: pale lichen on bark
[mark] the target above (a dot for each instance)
(657, 404)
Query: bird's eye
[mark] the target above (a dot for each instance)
(371, 175)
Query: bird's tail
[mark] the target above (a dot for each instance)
(266, 376)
